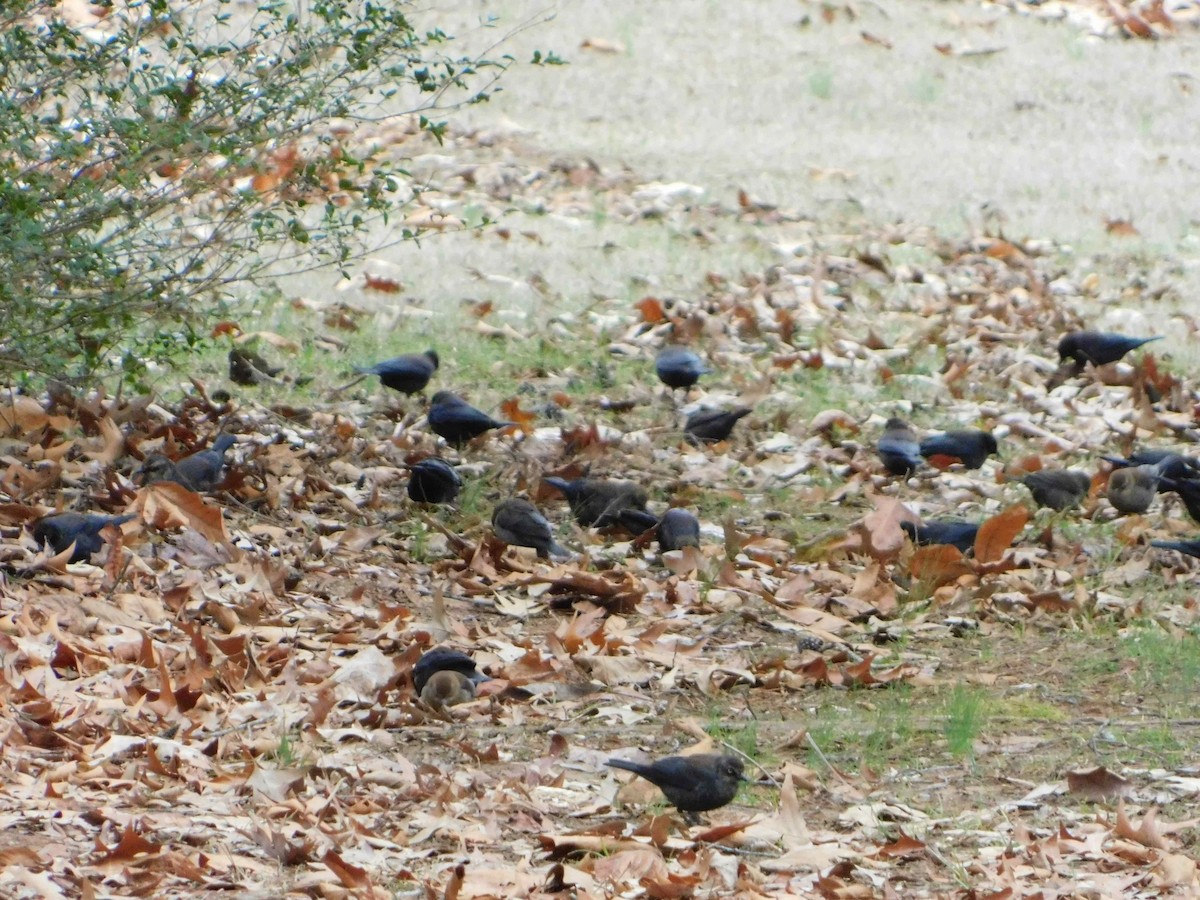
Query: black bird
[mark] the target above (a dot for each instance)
(1132, 489)
(691, 783)
(444, 659)
(1059, 489)
(955, 533)
(1097, 347)
(899, 448)
(453, 418)
(433, 480)
(1188, 491)
(677, 529)
(63, 529)
(969, 447)
(407, 374)
(1170, 464)
(599, 503)
(518, 522)
(1190, 548)
(679, 367)
(447, 688)
(200, 472)
(708, 426)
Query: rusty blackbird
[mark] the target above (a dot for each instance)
(61, 530)
(456, 420)
(407, 374)
(691, 783)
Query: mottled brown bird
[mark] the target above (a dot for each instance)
(1058, 489)
(1132, 490)
(691, 783)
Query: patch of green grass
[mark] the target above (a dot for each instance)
(820, 82)
(966, 716)
(1168, 665)
(1025, 708)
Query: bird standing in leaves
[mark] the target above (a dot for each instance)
(1097, 347)
(679, 367)
(598, 503)
(433, 480)
(200, 472)
(444, 677)
(457, 421)
(709, 426)
(1058, 489)
(408, 374)
(899, 448)
(957, 534)
(61, 530)
(677, 529)
(518, 522)
(691, 783)
(1132, 490)
(970, 447)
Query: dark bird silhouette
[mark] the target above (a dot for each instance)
(956, 534)
(200, 472)
(61, 530)
(1097, 347)
(456, 420)
(708, 426)
(677, 529)
(447, 688)
(444, 659)
(1188, 491)
(969, 447)
(1057, 489)
(1132, 490)
(599, 503)
(1169, 464)
(518, 522)
(691, 783)
(433, 480)
(679, 367)
(408, 374)
(899, 448)
(1189, 548)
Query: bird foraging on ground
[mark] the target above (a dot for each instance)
(1097, 347)
(1132, 490)
(445, 676)
(599, 503)
(447, 689)
(408, 374)
(1058, 489)
(970, 447)
(61, 530)
(691, 783)
(1170, 465)
(708, 426)
(899, 448)
(200, 472)
(956, 534)
(518, 522)
(433, 480)
(677, 529)
(679, 367)
(457, 421)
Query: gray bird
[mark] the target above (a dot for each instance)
(899, 448)
(1058, 489)
(518, 522)
(599, 503)
(200, 472)
(691, 783)
(1132, 490)
(61, 530)
(677, 529)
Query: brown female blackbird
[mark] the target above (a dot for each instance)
(969, 447)
(447, 688)
(443, 659)
(456, 420)
(1170, 464)
(407, 374)
(691, 783)
(1057, 489)
(1097, 347)
(518, 522)
(708, 426)
(899, 448)
(1132, 490)
(679, 367)
(63, 529)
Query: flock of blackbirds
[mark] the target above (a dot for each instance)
(445, 677)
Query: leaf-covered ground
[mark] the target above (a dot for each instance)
(222, 704)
